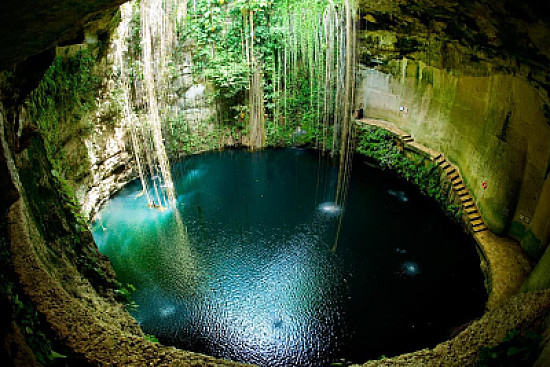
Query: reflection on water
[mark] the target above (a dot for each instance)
(252, 278)
(399, 195)
(410, 268)
(330, 208)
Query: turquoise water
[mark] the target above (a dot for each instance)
(244, 269)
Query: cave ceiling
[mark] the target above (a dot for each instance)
(29, 27)
(508, 29)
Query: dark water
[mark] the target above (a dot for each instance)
(254, 278)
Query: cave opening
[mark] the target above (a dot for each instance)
(279, 182)
(272, 74)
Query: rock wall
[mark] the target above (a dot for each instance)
(97, 150)
(493, 127)
(110, 167)
(95, 155)
(469, 79)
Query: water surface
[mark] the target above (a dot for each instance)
(246, 270)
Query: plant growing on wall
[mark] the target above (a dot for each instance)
(68, 89)
(380, 145)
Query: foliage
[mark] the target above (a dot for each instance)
(70, 201)
(190, 137)
(216, 28)
(287, 48)
(69, 87)
(260, 60)
(124, 294)
(229, 76)
(380, 145)
(516, 349)
(28, 320)
(151, 338)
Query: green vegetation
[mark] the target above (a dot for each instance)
(26, 316)
(187, 137)
(57, 217)
(381, 146)
(516, 349)
(341, 363)
(151, 338)
(276, 53)
(70, 201)
(124, 294)
(219, 55)
(66, 92)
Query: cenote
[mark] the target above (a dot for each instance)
(247, 269)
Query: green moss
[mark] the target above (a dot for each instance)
(68, 90)
(517, 230)
(40, 193)
(428, 76)
(407, 45)
(491, 211)
(539, 278)
(57, 216)
(532, 245)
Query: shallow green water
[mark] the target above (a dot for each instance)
(250, 274)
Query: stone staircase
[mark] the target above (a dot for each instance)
(468, 205)
(407, 138)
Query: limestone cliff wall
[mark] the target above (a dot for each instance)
(96, 144)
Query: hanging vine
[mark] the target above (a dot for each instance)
(279, 72)
(142, 61)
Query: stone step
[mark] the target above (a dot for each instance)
(408, 140)
(404, 136)
(474, 216)
(479, 229)
(450, 170)
(471, 210)
(437, 157)
(463, 193)
(459, 187)
(441, 161)
(456, 182)
(446, 165)
(466, 199)
(468, 205)
(477, 223)
(454, 176)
